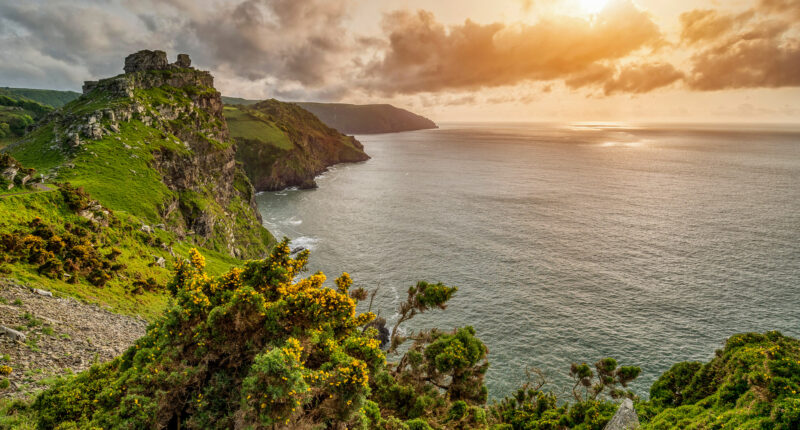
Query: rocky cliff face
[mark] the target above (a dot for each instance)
(283, 145)
(170, 116)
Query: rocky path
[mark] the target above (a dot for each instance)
(40, 188)
(42, 336)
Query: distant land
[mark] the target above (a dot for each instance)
(358, 119)
(54, 98)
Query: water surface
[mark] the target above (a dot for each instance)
(569, 243)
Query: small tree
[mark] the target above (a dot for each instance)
(608, 375)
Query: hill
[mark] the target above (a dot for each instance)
(53, 98)
(152, 143)
(17, 114)
(282, 145)
(367, 119)
(357, 119)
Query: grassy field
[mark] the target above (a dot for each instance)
(244, 125)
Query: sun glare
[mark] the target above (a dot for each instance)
(592, 7)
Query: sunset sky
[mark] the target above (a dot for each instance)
(453, 60)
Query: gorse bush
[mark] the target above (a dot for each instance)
(66, 254)
(251, 347)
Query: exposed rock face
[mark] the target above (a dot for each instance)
(145, 60)
(625, 418)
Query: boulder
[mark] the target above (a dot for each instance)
(43, 292)
(13, 334)
(147, 229)
(625, 418)
(145, 60)
(160, 261)
(183, 61)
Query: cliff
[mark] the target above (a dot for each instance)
(367, 119)
(282, 145)
(153, 143)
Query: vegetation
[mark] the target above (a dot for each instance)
(261, 347)
(64, 241)
(17, 114)
(153, 155)
(52, 98)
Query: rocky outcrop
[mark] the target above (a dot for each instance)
(625, 418)
(12, 173)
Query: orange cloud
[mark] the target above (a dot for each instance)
(643, 78)
(708, 24)
(756, 49)
(425, 56)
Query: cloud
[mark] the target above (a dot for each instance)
(425, 56)
(293, 41)
(755, 49)
(708, 24)
(643, 78)
(632, 78)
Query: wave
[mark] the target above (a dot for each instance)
(306, 242)
(292, 221)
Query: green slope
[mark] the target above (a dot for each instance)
(17, 114)
(52, 98)
(150, 148)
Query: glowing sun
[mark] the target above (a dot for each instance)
(592, 7)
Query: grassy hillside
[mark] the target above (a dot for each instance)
(367, 119)
(17, 114)
(46, 218)
(51, 98)
(155, 152)
(142, 163)
(238, 101)
(282, 145)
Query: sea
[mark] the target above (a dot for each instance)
(568, 243)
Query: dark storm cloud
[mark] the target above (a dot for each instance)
(68, 41)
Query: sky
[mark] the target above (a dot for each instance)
(451, 60)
